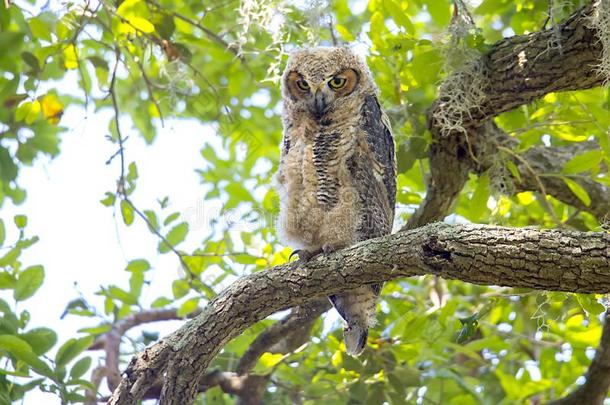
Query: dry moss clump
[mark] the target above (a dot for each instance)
(600, 22)
(464, 88)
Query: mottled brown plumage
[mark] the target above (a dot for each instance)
(337, 177)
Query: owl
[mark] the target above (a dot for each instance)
(337, 175)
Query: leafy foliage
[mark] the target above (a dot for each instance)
(149, 61)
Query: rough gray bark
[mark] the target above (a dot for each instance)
(529, 258)
(524, 68)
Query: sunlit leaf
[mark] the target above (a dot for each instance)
(70, 57)
(578, 190)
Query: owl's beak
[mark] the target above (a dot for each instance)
(321, 104)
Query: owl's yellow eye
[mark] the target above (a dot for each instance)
(302, 84)
(337, 82)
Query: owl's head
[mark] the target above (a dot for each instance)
(324, 79)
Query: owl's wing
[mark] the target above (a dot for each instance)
(378, 179)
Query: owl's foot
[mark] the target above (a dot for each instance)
(304, 255)
(328, 249)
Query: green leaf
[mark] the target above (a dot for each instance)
(171, 218)
(40, 339)
(180, 288)
(513, 170)
(590, 304)
(121, 295)
(98, 62)
(399, 16)
(132, 172)
(80, 367)
(22, 350)
(577, 189)
(72, 348)
(138, 265)
(2, 232)
(7, 281)
(28, 282)
(127, 212)
(31, 60)
(161, 302)
(108, 201)
(583, 162)
(188, 307)
(478, 202)
(164, 25)
(440, 11)
(136, 282)
(21, 221)
(152, 219)
(174, 237)
(40, 29)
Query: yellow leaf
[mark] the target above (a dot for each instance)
(33, 113)
(142, 24)
(126, 29)
(152, 110)
(336, 358)
(127, 7)
(502, 206)
(52, 108)
(70, 57)
(525, 198)
(269, 359)
(344, 32)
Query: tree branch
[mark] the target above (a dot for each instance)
(524, 68)
(551, 160)
(529, 258)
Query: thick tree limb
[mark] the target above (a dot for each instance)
(524, 68)
(529, 258)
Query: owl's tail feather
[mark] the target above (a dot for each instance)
(355, 339)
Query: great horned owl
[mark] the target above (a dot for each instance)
(337, 177)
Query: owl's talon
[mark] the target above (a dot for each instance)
(328, 249)
(294, 252)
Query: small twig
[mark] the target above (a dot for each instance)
(209, 33)
(331, 28)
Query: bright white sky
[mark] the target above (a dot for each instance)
(84, 242)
